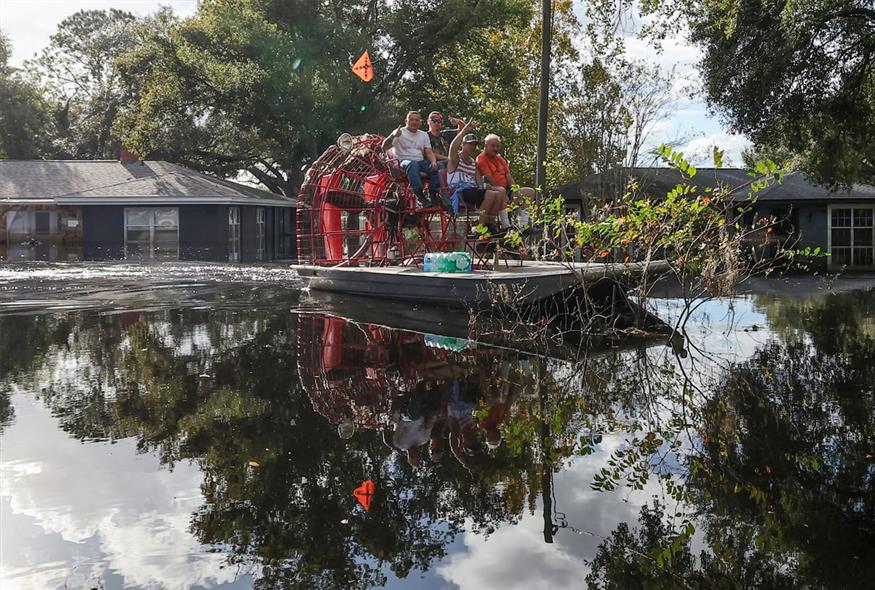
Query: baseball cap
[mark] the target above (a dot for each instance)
(469, 138)
(435, 116)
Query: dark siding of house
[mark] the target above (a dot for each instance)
(203, 232)
(284, 234)
(813, 231)
(809, 226)
(103, 232)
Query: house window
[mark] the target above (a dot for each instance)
(23, 223)
(42, 221)
(233, 234)
(151, 233)
(259, 233)
(852, 237)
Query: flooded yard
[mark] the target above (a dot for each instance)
(207, 426)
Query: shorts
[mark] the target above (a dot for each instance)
(473, 197)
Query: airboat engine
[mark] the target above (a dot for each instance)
(356, 208)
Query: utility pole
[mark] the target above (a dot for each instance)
(544, 95)
(546, 453)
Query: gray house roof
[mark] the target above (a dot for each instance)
(110, 182)
(657, 182)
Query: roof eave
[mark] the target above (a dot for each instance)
(174, 201)
(26, 201)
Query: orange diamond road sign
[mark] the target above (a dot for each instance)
(363, 68)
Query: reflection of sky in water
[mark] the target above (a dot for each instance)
(77, 513)
(74, 513)
(727, 329)
(517, 557)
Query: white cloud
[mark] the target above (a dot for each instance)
(699, 150)
(689, 112)
(30, 23)
(674, 53)
(513, 557)
(99, 508)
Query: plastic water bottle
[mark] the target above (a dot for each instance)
(446, 342)
(462, 262)
(428, 262)
(451, 262)
(447, 262)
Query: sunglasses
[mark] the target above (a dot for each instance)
(436, 120)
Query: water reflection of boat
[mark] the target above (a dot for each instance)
(401, 315)
(419, 390)
(490, 329)
(432, 398)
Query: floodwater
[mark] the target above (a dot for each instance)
(209, 426)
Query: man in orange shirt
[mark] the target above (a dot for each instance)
(496, 173)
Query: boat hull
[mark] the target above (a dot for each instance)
(521, 284)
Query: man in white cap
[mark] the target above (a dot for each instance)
(414, 154)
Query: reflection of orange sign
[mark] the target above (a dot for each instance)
(363, 67)
(364, 493)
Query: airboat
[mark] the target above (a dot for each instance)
(360, 231)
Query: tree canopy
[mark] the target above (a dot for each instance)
(796, 77)
(262, 87)
(25, 116)
(265, 86)
(816, 91)
(77, 69)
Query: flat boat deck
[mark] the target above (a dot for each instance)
(528, 282)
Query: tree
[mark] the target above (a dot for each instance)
(601, 106)
(25, 116)
(78, 71)
(812, 101)
(792, 76)
(816, 92)
(264, 86)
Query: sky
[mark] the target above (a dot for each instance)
(29, 23)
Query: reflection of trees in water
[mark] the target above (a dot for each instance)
(778, 467)
(222, 389)
(629, 558)
(782, 476)
(23, 342)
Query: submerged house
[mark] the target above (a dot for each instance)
(137, 210)
(809, 215)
